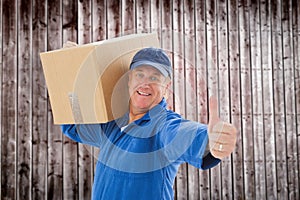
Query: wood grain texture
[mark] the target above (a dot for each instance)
(85, 152)
(267, 93)
(190, 87)
(296, 61)
(179, 87)
(235, 96)
(70, 148)
(246, 52)
(213, 81)
(289, 99)
(113, 20)
(9, 102)
(54, 137)
(247, 119)
(39, 144)
(279, 103)
(24, 122)
(256, 88)
(202, 58)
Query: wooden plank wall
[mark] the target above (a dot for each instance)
(247, 53)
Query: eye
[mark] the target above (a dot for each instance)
(154, 79)
(139, 75)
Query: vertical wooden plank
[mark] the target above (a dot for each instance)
(296, 59)
(70, 147)
(55, 150)
(167, 38)
(289, 99)
(164, 28)
(201, 80)
(155, 17)
(99, 20)
(1, 72)
(84, 21)
(24, 100)
(224, 91)
(179, 87)
(247, 134)
(128, 17)
(85, 152)
(267, 93)
(201, 60)
(257, 102)
(190, 85)
(69, 20)
(9, 100)
(212, 49)
(143, 14)
(235, 104)
(279, 112)
(114, 21)
(39, 102)
(213, 87)
(99, 32)
(268, 107)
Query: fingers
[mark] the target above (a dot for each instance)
(223, 127)
(69, 44)
(222, 139)
(221, 150)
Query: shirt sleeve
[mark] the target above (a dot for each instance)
(196, 154)
(209, 161)
(90, 134)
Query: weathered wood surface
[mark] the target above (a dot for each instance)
(247, 53)
(54, 168)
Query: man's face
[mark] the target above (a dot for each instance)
(147, 87)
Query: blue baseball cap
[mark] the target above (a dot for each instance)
(154, 57)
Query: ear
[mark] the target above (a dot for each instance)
(168, 83)
(167, 88)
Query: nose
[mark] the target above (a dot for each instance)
(145, 80)
(145, 83)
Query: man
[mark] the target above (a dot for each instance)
(140, 152)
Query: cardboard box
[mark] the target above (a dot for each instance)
(87, 83)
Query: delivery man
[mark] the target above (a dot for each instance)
(140, 152)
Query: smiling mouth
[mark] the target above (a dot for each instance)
(143, 93)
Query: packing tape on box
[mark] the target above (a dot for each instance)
(74, 101)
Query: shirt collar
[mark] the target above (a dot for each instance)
(154, 112)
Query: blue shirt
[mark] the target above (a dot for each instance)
(140, 160)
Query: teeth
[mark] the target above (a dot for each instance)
(143, 93)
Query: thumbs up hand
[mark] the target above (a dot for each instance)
(221, 135)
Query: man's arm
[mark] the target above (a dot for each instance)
(222, 135)
(84, 133)
(71, 131)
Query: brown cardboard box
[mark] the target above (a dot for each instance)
(87, 83)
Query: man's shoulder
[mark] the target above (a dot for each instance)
(178, 118)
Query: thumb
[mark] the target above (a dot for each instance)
(213, 113)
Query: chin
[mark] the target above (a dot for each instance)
(140, 104)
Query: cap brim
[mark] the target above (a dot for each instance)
(159, 67)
